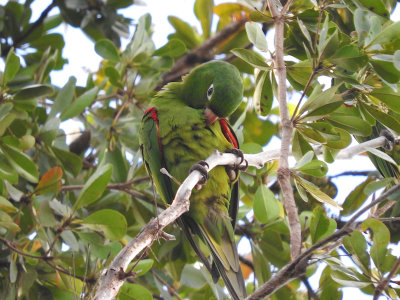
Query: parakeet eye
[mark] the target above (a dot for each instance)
(210, 91)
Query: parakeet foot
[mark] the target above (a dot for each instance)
(390, 140)
(200, 166)
(233, 172)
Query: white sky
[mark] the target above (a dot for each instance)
(82, 58)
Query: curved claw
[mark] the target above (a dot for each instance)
(200, 166)
(390, 140)
(233, 171)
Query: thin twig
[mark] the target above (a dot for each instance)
(171, 290)
(385, 281)
(287, 128)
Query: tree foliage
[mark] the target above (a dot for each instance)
(67, 209)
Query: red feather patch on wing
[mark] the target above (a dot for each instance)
(228, 133)
(152, 113)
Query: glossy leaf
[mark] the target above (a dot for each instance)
(203, 10)
(386, 70)
(70, 161)
(174, 48)
(11, 68)
(256, 36)
(351, 124)
(252, 58)
(50, 182)
(388, 34)
(21, 163)
(134, 291)
(349, 57)
(5, 108)
(184, 31)
(384, 118)
(94, 186)
(314, 168)
(266, 208)
(356, 198)
(356, 245)
(316, 192)
(107, 50)
(320, 225)
(263, 95)
(33, 91)
(79, 105)
(111, 222)
(64, 97)
(380, 237)
(388, 96)
(141, 267)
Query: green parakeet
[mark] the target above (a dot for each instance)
(185, 124)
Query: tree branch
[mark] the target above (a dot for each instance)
(298, 265)
(287, 129)
(201, 53)
(112, 279)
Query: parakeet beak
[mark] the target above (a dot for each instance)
(211, 117)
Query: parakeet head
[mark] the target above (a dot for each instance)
(215, 86)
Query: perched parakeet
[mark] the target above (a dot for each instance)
(185, 124)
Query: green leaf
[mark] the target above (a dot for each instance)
(185, 32)
(141, 267)
(384, 118)
(352, 124)
(316, 192)
(70, 161)
(305, 32)
(376, 6)
(355, 199)
(33, 91)
(372, 187)
(134, 291)
(192, 277)
(256, 35)
(50, 182)
(396, 59)
(106, 49)
(316, 168)
(174, 48)
(388, 96)
(252, 58)
(263, 95)
(386, 70)
(261, 266)
(380, 238)
(7, 206)
(319, 99)
(356, 245)
(349, 58)
(350, 279)
(11, 68)
(266, 208)
(341, 143)
(79, 105)
(111, 222)
(203, 9)
(21, 162)
(7, 222)
(64, 97)
(5, 109)
(94, 186)
(113, 75)
(299, 145)
(320, 225)
(388, 34)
